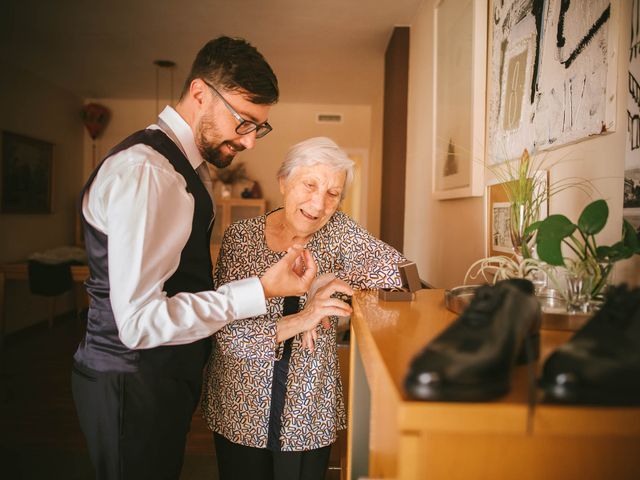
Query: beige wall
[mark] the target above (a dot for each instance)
(445, 237)
(292, 123)
(33, 107)
(442, 237)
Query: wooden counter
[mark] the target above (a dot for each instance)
(504, 439)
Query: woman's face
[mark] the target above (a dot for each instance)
(311, 195)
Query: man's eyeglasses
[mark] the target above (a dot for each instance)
(244, 126)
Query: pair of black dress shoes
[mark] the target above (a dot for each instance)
(472, 360)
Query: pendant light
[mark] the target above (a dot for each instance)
(161, 67)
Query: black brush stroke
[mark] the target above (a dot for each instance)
(634, 89)
(588, 37)
(560, 39)
(635, 26)
(537, 9)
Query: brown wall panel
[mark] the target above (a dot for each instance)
(394, 142)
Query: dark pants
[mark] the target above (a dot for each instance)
(135, 424)
(239, 462)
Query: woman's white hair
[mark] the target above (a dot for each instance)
(317, 151)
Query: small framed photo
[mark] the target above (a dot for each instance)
(27, 174)
(500, 222)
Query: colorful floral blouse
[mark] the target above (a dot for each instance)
(239, 376)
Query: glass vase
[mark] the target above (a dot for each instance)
(578, 291)
(601, 281)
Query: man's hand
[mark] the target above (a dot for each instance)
(292, 275)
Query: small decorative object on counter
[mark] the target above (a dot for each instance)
(229, 176)
(410, 283)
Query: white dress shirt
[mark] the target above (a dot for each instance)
(140, 202)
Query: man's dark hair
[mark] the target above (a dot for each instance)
(234, 64)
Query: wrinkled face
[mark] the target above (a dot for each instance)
(311, 195)
(215, 132)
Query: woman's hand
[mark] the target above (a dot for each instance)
(318, 308)
(292, 275)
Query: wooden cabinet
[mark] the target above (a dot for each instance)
(229, 210)
(392, 437)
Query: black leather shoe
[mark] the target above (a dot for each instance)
(600, 365)
(472, 359)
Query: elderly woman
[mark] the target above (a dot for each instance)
(275, 408)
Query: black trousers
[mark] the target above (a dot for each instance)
(135, 424)
(239, 462)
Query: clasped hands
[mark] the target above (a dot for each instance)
(295, 274)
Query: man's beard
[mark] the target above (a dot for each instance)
(211, 150)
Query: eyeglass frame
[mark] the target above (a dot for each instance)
(266, 127)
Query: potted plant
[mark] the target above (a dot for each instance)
(526, 190)
(590, 259)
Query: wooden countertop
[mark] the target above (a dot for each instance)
(390, 334)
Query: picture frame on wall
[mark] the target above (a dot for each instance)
(26, 175)
(460, 44)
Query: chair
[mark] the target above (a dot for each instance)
(50, 280)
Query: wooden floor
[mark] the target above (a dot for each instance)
(40, 437)
(39, 433)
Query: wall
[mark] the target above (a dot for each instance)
(442, 237)
(33, 107)
(292, 123)
(446, 237)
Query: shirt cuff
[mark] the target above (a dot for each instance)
(248, 297)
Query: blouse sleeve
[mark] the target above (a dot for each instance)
(365, 262)
(249, 338)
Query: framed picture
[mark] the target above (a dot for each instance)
(26, 171)
(498, 217)
(460, 42)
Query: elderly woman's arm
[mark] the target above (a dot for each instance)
(364, 261)
(258, 337)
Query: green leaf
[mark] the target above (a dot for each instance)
(593, 217)
(630, 237)
(556, 226)
(617, 251)
(532, 228)
(551, 232)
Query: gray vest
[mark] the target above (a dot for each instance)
(101, 348)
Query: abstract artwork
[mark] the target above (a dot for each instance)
(553, 72)
(631, 210)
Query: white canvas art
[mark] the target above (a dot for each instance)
(552, 68)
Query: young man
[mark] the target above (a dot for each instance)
(147, 217)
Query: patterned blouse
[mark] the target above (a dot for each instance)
(239, 376)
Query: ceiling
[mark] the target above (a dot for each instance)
(323, 51)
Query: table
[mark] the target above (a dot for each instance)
(20, 271)
(392, 437)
